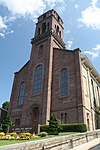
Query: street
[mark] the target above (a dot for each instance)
(97, 147)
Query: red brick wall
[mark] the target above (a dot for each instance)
(67, 104)
(14, 110)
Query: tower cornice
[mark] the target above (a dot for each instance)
(50, 32)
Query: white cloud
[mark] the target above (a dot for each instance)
(97, 48)
(9, 32)
(93, 54)
(2, 35)
(95, 51)
(71, 0)
(61, 8)
(2, 24)
(67, 32)
(94, 2)
(69, 44)
(29, 9)
(4, 30)
(76, 6)
(52, 3)
(91, 16)
(22, 8)
(8, 19)
(3, 27)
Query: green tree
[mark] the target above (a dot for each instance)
(53, 125)
(8, 123)
(5, 105)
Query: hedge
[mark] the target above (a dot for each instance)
(44, 128)
(43, 134)
(67, 128)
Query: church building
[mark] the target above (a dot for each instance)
(55, 80)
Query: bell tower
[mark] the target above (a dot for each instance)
(48, 35)
(50, 24)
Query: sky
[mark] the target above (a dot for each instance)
(17, 26)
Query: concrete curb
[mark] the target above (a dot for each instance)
(88, 145)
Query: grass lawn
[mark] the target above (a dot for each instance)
(7, 142)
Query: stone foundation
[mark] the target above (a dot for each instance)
(55, 143)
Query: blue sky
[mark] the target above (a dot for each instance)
(17, 25)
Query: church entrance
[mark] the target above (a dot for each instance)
(35, 119)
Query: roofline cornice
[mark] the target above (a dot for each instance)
(91, 68)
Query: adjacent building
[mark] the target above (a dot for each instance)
(55, 80)
(3, 115)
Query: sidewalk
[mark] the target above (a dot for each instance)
(87, 146)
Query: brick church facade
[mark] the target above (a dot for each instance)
(54, 80)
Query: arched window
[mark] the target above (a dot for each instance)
(17, 121)
(37, 88)
(66, 118)
(57, 30)
(21, 94)
(60, 34)
(98, 94)
(40, 51)
(38, 31)
(64, 82)
(62, 118)
(93, 92)
(43, 27)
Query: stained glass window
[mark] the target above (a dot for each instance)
(64, 82)
(37, 88)
(21, 94)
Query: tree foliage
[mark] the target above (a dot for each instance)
(5, 105)
(53, 125)
(8, 123)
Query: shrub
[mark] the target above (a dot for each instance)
(20, 136)
(8, 123)
(13, 134)
(42, 134)
(53, 128)
(73, 128)
(2, 133)
(44, 128)
(8, 137)
(36, 137)
(25, 136)
(67, 128)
